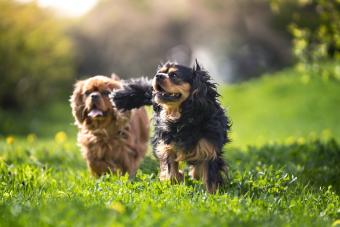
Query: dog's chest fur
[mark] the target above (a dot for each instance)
(104, 145)
(181, 139)
(179, 131)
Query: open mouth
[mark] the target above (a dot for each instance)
(166, 96)
(95, 113)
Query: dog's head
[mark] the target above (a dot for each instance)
(90, 101)
(176, 84)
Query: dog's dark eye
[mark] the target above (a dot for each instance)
(174, 78)
(105, 93)
(87, 93)
(172, 75)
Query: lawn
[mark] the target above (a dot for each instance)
(283, 161)
(284, 106)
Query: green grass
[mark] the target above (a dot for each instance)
(283, 161)
(44, 121)
(47, 184)
(277, 107)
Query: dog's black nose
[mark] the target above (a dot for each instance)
(94, 96)
(160, 76)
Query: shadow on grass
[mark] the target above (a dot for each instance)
(149, 165)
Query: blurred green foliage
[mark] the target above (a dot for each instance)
(36, 62)
(315, 28)
(44, 121)
(294, 102)
(235, 39)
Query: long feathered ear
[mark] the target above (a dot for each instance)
(77, 103)
(203, 91)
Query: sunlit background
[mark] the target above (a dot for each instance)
(45, 46)
(235, 40)
(72, 8)
(277, 64)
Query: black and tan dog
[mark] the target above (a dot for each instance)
(190, 124)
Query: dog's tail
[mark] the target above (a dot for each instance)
(134, 94)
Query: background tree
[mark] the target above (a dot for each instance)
(36, 61)
(315, 29)
(234, 39)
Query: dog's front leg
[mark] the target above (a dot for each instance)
(169, 170)
(168, 164)
(164, 170)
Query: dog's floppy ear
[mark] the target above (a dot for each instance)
(77, 103)
(203, 91)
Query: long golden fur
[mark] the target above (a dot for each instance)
(110, 140)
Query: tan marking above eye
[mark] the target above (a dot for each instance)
(164, 69)
(172, 69)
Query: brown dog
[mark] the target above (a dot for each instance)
(110, 140)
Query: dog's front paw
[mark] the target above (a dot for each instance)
(119, 99)
(164, 176)
(173, 178)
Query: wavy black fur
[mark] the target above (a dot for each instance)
(202, 117)
(134, 94)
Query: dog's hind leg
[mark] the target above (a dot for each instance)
(211, 172)
(199, 171)
(216, 172)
